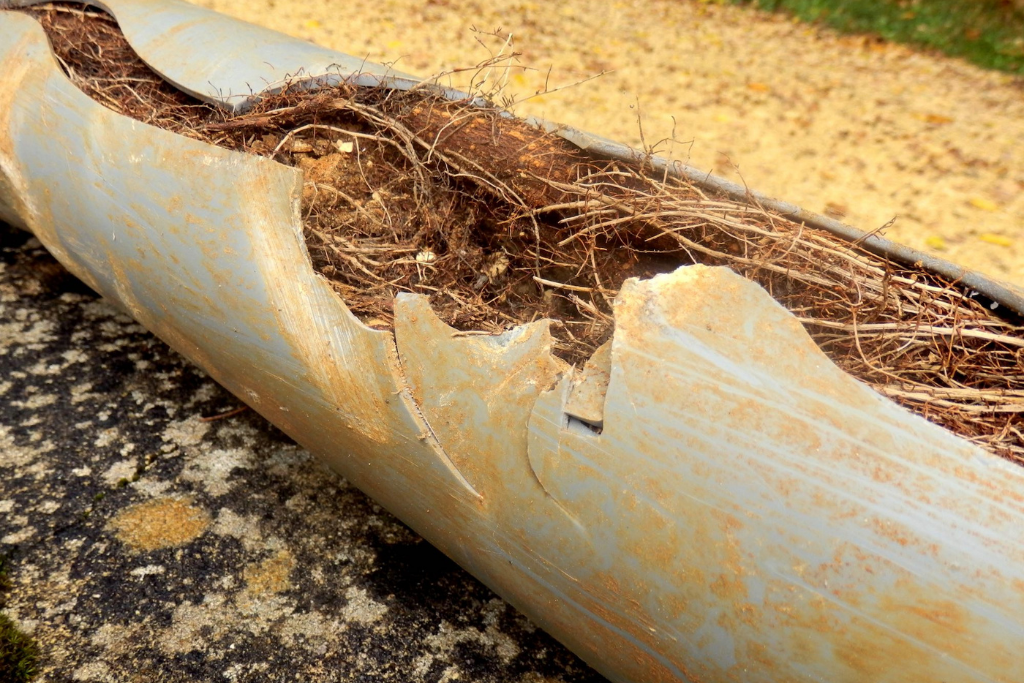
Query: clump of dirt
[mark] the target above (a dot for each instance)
(500, 224)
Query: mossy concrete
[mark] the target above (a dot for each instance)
(18, 652)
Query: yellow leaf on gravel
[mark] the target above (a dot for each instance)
(759, 87)
(983, 204)
(995, 239)
(935, 119)
(935, 242)
(311, 23)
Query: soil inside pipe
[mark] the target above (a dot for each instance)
(500, 224)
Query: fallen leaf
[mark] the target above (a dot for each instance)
(759, 87)
(935, 242)
(934, 119)
(836, 210)
(983, 204)
(311, 23)
(998, 240)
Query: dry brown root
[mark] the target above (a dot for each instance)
(501, 224)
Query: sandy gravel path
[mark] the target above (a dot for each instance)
(840, 125)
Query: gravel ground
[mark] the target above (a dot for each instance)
(839, 125)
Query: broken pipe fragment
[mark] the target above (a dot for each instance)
(709, 499)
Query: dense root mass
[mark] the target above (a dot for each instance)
(500, 224)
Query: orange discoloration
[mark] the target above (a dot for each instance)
(160, 523)
(873, 656)
(272, 575)
(890, 530)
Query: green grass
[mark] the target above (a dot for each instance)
(18, 654)
(989, 33)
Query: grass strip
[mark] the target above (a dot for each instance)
(988, 33)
